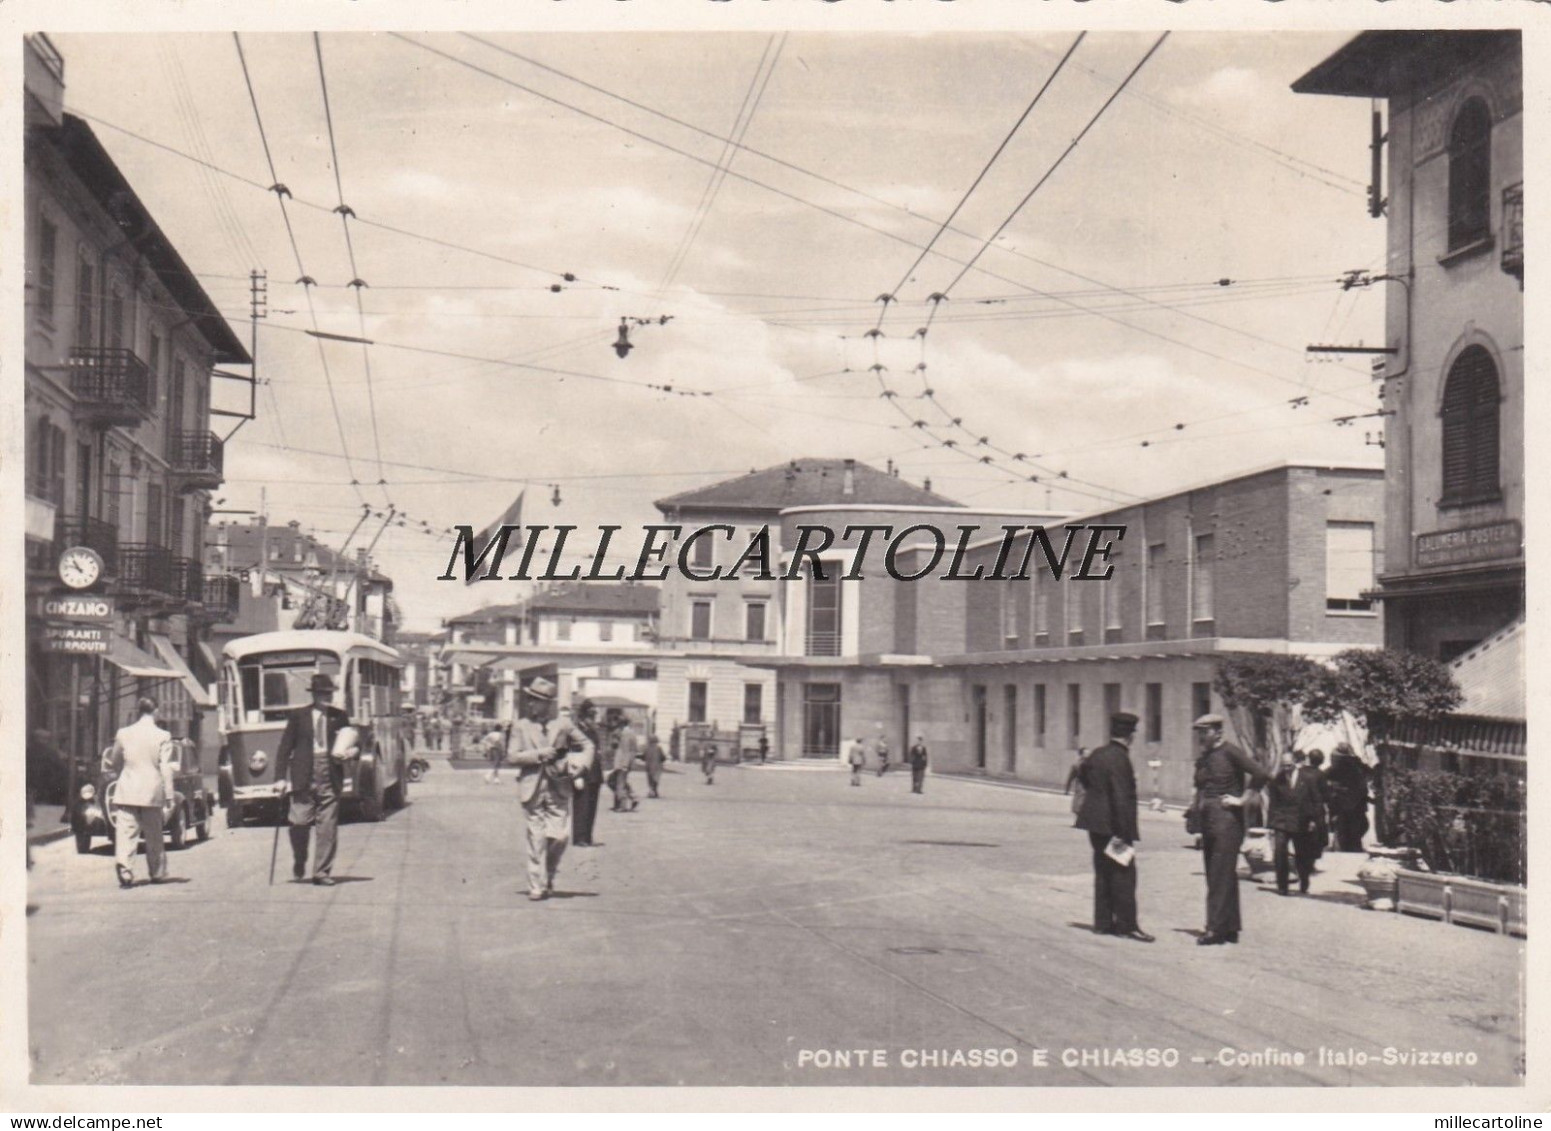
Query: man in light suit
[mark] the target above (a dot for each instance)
(544, 783)
(1109, 814)
(141, 756)
(313, 778)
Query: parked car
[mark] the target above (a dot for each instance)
(191, 807)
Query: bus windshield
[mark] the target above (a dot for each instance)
(272, 683)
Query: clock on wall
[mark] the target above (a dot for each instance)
(80, 567)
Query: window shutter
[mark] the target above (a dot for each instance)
(1470, 427)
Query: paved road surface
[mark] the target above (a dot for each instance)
(743, 933)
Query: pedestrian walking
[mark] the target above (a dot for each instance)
(493, 745)
(856, 757)
(1223, 772)
(653, 758)
(918, 760)
(764, 748)
(1347, 784)
(141, 757)
(455, 736)
(708, 761)
(1109, 818)
(883, 755)
(590, 780)
(544, 783)
(627, 749)
(1297, 818)
(1074, 784)
(313, 775)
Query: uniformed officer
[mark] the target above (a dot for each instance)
(1222, 771)
(1109, 817)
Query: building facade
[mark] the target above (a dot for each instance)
(313, 585)
(709, 628)
(121, 343)
(585, 636)
(1009, 678)
(1454, 379)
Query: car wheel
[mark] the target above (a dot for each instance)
(175, 831)
(416, 770)
(83, 841)
(234, 815)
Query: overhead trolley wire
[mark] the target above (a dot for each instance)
(787, 194)
(963, 200)
(281, 192)
(356, 282)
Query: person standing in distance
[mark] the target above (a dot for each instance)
(141, 756)
(1222, 771)
(589, 782)
(708, 761)
(1109, 815)
(653, 757)
(857, 757)
(883, 755)
(918, 759)
(313, 778)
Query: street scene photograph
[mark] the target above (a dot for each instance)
(774, 559)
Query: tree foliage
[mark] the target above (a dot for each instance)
(1272, 697)
(1380, 683)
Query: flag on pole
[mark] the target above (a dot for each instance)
(511, 516)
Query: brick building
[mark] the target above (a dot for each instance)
(708, 628)
(1010, 677)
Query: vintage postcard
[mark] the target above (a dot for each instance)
(818, 548)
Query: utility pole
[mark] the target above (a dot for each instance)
(263, 562)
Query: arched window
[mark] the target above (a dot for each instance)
(1470, 175)
(1470, 410)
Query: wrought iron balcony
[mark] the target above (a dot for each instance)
(145, 569)
(222, 597)
(75, 530)
(188, 581)
(113, 386)
(1513, 231)
(198, 460)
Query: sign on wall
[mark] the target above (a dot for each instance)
(1492, 542)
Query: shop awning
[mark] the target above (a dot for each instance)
(467, 659)
(210, 657)
(133, 661)
(1491, 675)
(168, 653)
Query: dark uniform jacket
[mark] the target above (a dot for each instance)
(1109, 804)
(294, 757)
(1223, 769)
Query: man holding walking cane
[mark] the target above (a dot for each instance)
(313, 778)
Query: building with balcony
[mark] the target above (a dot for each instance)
(1454, 377)
(709, 628)
(121, 342)
(1009, 678)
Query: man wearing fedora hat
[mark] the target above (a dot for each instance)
(1222, 770)
(544, 785)
(313, 778)
(1108, 815)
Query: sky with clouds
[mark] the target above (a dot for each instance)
(1085, 333)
